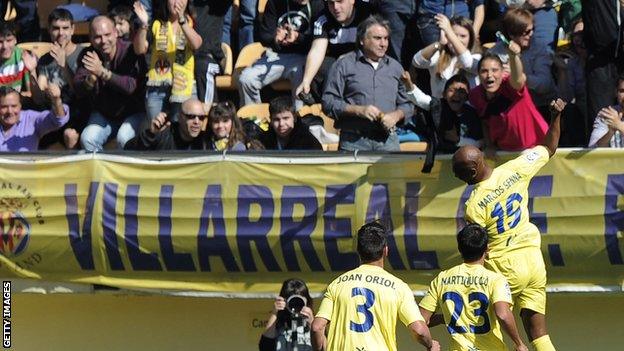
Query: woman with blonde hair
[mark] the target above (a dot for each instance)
(451, 55)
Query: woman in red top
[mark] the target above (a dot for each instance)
(511, 120)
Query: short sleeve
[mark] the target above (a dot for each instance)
(320, 28)
(327, 304)
(531, 160)
(501, 291)
(430, 301)
(408, 309)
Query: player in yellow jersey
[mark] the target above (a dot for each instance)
(499, 202)
(362, 306)
(473, 299)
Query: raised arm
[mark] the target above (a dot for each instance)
(551, 140)
(139, 41)
(518, 78)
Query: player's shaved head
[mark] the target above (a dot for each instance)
(468, 164)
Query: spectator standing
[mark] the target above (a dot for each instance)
(608, 125)
(286, 131)
(225, 130)
(428, 9)
(545, 22)
(401, 14)
(111, 75)
(21, 130)
(451, 55)
(537, 59)
(185, 133)
(511, 120)
(364, 93)
(247, 12)
(279, 332)
(13, 71)
(210, 15)
(457, 123)
(58, 67)
(286, 32)
(345, 300)
(173, 41)
(335, 33)
(603, 39)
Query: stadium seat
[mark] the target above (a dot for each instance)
(489, 45)
(414, 146)
(261, 6)
(330, 147)
(225, 79)
(246, 57)
(317, 110)
(251, 111)
(38, 48)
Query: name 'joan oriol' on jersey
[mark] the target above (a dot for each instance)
(466, 294)
(500, 203)
(363, 306)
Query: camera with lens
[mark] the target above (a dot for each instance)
(294, 305)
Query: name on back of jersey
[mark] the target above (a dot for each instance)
(369, 278)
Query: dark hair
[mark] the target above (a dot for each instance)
(7, 28)
(489, 56)
(121, 11)
(223, 111)
(371, 240)
(370, 21)
(160, 11)
(458, 78)
(281, 104)
(6, 90)
(516, 21)
(294, 286)
(60, 14)
(472, 242)
(445, 56)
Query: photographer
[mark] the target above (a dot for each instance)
(290, 319)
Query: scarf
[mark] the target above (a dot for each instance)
(172, 62)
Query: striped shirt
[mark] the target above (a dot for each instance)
(341, 37)
(13, 72)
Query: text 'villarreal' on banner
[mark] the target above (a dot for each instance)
(243, 227)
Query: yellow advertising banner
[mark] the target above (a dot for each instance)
(240, 225)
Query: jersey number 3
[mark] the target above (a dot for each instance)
(458, 303)
(510, 211)
(364, 309)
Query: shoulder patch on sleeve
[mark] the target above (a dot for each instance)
(318, 25)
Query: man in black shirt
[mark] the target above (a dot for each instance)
(287, 132)
(185, 134)
(334, 35)
(286, 32)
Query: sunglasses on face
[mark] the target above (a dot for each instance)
(191, 116)
(527, 32)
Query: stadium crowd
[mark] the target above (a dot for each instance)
(448, 73)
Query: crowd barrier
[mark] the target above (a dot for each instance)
(239, 224)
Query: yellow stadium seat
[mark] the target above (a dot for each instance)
(489, 45)
(414, 146)
(246, 57)
(317, 110)
(258, 111)
(38, 48)
(261, 6)
(225, 80)
(330, 147)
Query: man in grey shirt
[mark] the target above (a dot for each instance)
(364, 93)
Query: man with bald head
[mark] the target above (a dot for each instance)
(499, 202)
(113, 78)
(185, 134)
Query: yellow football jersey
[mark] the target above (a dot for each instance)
(465, 294)
(363, 306)
(500, 203)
